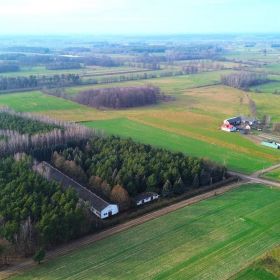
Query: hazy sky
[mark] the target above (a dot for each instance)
(138, 16)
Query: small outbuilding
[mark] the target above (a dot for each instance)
(146, 197)
(271, 144)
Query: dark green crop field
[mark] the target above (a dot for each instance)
(214, 239)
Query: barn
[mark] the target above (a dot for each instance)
(98, 206)
(144, 198)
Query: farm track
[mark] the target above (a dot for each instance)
(28, 264)
(261, 172)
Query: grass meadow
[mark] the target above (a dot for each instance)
(241, 225)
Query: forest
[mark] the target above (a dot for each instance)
(244, 80)
(120, 97)
(35, 212)
(110, 166)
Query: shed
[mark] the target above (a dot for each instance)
(98, 206)
(146, 197)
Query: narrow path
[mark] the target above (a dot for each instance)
(81, 243)
(254, 179)
(261, 172)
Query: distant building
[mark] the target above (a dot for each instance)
(98, 206)
(271, 144)
(228, 128)
(144, 198)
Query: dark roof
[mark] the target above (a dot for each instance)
(145, 195)
(97, 202)
(234, 119)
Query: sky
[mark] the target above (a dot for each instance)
(138, 16)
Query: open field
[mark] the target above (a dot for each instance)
(268, 87)
(267, 103)
(241, 225)
(171, 85)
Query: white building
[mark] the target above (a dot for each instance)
(144, 198)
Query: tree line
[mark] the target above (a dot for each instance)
(63, 80)
(119, 169)
(38, 134)
(63, 66)
(244, 80)
(22, 125)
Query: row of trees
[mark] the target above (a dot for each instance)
(35, 212)
(23, 125)
(201, 66)
(12, 83)
(24, 132)
(105, 163)
(42, 141)
(244, 80)
(120, 97)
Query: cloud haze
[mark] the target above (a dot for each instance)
(138, 16)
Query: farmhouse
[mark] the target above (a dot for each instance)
(144, 198)
(241, 123)
(98, 206)
(233, 121)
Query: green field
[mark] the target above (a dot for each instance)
(171, 85)
(241, 226)
(273, 175)
(270, 87)
(35, 101)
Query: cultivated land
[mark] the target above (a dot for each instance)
(241, 225)
(190, 123)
